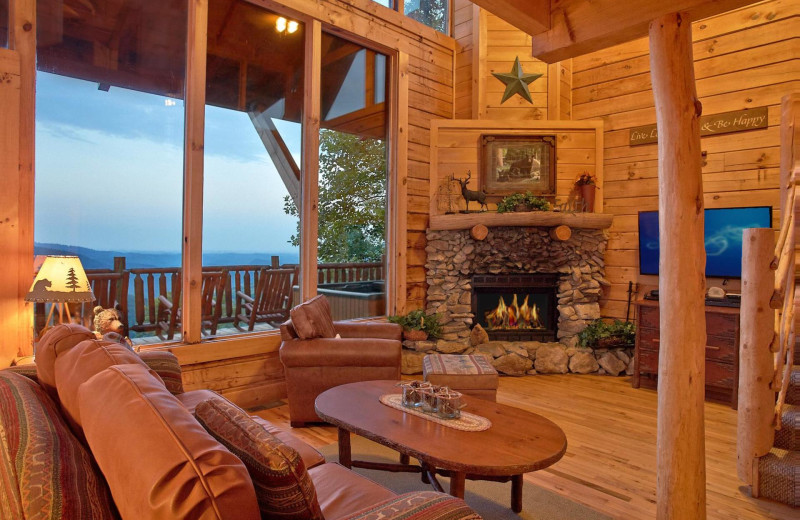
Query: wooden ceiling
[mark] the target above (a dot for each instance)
(141, 45)
(563, 29)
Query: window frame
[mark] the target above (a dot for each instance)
(194, 140)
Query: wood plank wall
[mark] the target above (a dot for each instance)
(466, 34)
(455, 147)
(504, 43)
(743, 59)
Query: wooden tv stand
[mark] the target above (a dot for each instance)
(722, 351)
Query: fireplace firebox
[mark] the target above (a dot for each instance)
(516, 307)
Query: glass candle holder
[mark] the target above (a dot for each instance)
(429, 399)
(413, 393)
(449, 404)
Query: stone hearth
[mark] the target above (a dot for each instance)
(454, 257)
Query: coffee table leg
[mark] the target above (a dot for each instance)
(344, 448)
(516, 493)
(457, 483)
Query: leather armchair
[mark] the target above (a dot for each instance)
(365, 352)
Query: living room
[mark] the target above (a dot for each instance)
(216, 153)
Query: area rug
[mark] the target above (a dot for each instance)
(491, 500)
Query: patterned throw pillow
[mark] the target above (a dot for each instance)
(165, 364)
(283, 487)
(45, 472)
(312, 319)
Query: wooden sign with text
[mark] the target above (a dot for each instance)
(725, 123)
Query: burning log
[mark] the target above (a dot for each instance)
(514, 316)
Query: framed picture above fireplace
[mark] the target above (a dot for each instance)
(517, 164)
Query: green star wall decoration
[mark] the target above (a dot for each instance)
(516, 82)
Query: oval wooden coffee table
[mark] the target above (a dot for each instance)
(517, 442)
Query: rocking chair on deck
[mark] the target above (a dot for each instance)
(270, 302)
(210, 303)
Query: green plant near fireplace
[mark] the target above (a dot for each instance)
(418, 320)
(600, 334)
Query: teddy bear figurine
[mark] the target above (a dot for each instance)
(108, 325)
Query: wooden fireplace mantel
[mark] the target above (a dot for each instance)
(523, 219)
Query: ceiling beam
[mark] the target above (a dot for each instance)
(530, 16)
(578, 27)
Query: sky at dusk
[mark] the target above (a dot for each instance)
(109, 173)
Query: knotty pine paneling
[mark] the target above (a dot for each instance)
(743, 59)
(456, 148)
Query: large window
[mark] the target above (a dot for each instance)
(254, 102)
(109, 153)
(112, 159)
(352, 179)
(433, 13)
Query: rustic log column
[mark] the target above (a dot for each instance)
(681, 472)
(755, 432)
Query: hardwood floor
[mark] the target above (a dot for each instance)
(611, 454)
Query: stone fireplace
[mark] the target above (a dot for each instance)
(519, 264)
(458, 268)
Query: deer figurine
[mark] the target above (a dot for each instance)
(470, 195)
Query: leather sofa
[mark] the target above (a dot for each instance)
(95, 431)
(364, 351)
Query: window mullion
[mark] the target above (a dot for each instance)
(195, 101)
(309, 179)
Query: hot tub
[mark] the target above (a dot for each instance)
(351, 300)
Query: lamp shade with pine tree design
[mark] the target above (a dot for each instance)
(61, 279)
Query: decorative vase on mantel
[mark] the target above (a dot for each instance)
(587, 192)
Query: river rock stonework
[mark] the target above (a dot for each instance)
(453, 257)
(519, 358)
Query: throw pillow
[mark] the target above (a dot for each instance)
(45, 472)
(165, 364)
(283, 487)
(312, 319)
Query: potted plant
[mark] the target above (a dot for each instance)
(599, 334)
(586, 186)
(418, 326)
(522, 202)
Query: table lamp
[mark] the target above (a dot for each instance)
(61, 280)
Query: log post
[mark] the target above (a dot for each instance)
(681, 471)
(755, 432)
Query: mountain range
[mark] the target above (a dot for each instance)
(97, 259)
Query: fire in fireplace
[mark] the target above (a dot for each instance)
(497, 308)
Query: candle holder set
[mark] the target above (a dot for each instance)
(440, 401)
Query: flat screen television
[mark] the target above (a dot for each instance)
(723, 237)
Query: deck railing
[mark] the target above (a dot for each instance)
(137, 291)
(767, 341)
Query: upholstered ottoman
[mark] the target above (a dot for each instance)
(472, 375)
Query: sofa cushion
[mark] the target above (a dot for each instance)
(282, 485)
(79, 364)
(157, 459)
(312, 319)
(165, 364)
(45, 472)
(343, 492)
(55, 342)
